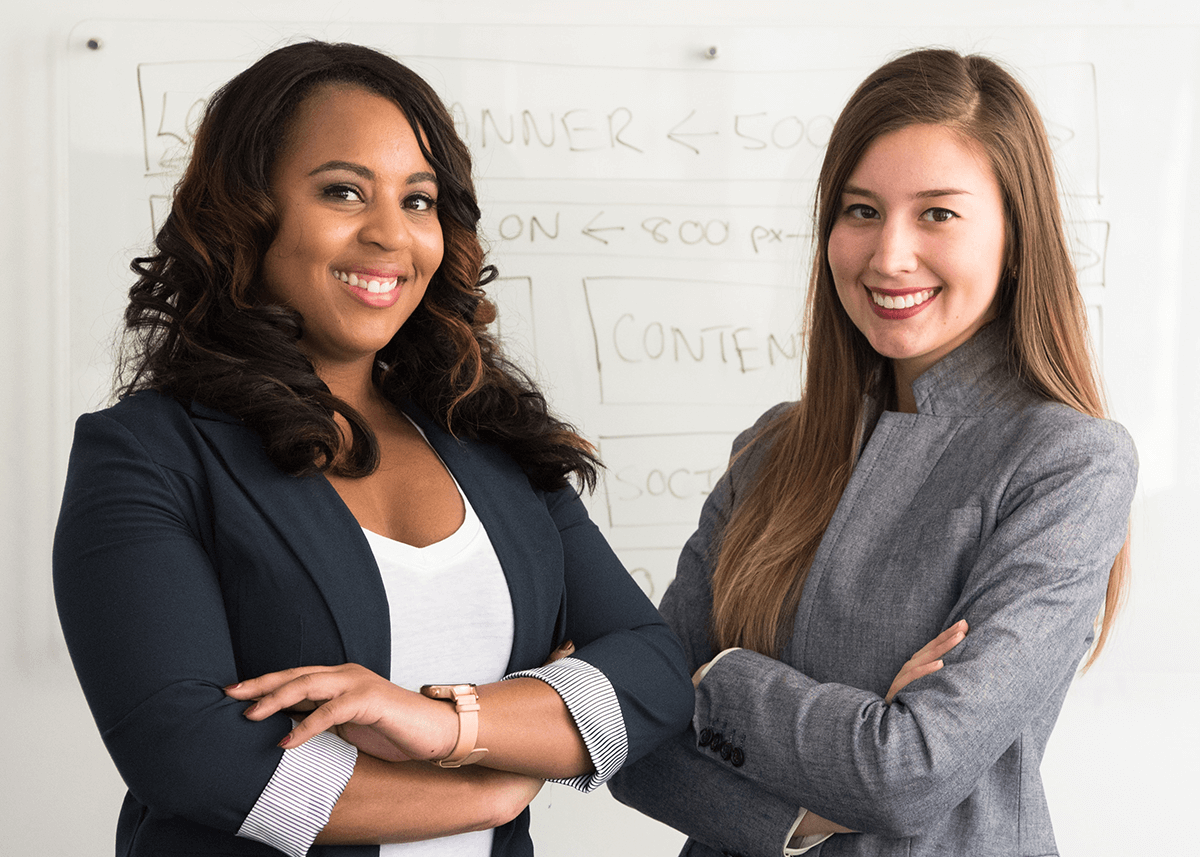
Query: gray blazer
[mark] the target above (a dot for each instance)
(989, 504)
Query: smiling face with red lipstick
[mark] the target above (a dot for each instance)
(358, 236)
(918, 246)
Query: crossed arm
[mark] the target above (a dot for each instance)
(523, 723)
(927, 660)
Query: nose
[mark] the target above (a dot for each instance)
(895, 249)
(386, 226)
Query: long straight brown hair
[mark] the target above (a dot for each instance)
(773, 535)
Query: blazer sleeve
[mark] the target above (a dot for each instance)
(1030, 598)
(144, 620)
(617, 631)
(683, 784)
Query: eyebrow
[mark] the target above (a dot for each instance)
(854, 190)
(369, 174)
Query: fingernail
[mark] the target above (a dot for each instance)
(230, 687)
(285, 740)
(250, 710)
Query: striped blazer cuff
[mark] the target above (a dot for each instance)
(295, 805)
(592, 704)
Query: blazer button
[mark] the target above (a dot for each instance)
(737, 758)
(715, 744)
(726, 750)
(705, 737)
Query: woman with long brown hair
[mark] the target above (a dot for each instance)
(322, 489)
(948, 467)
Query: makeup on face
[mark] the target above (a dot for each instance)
(918, 244)
(359, 236)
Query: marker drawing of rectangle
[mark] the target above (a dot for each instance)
(693, 342)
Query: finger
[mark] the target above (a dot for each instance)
(253, 688)
(909, 675)
(325, 718)
(317, 688)
(934, 651)
(941, 644)
(563, 651)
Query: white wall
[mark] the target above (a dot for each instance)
(1116, 762)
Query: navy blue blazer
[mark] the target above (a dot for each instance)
(184, 561)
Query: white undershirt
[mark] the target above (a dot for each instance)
(458, 576)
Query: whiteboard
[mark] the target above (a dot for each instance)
(646, 195)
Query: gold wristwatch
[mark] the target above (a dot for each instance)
(466, 703)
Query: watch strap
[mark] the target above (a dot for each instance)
(466, 705)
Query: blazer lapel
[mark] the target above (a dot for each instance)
(902, 451)
(324, 539)
(522, 533)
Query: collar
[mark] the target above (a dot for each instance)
(971, 379)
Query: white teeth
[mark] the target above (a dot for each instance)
(377, 287)
(901, 301)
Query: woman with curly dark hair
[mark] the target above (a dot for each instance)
(322, 488)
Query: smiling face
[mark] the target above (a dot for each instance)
(358, 235)
(918, 246)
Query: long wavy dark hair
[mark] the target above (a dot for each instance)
(199, 327)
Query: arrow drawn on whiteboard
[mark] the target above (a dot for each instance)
(674, 137)
(590, 230)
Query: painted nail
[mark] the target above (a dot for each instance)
(250, 710)
(230, 687)
(285, 740)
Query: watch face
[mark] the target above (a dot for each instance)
(446, 691)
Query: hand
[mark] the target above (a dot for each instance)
(564, 651)
(928, 659)
(368, 740)
(359, 705)
(814, 825)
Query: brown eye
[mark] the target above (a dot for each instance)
(342, 191)
(420, 202)
(859, 211)
(938, 215)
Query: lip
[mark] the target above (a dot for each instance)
(899, 313)
(388, 273)
(375, 300)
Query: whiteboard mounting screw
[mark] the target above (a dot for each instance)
(710, 53)
(94, 44)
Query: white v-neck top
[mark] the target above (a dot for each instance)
(459, 575)
(430, 589)
(456, 577)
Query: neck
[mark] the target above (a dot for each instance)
(352, 384)
(906, 402)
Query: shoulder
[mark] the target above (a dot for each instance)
(1051, 429)
(153, 425)
(752, 445)
(1050, 446)
(148, 416)
(761, 424)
